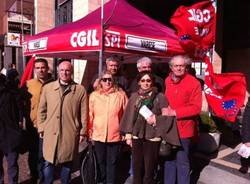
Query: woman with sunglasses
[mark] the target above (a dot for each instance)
(106, 106)
(141, 131)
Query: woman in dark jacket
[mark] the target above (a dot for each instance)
(141, 132)
(10, 132)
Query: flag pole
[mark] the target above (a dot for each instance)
(212, 55)
(102, 42)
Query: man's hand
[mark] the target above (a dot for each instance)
(168, 111)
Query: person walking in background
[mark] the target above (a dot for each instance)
(61, 120)
(145, 64)
(106, 106)
(112, 65)
(140, 133)
(183, 92)
(32, 92)
(11, 122)
(245, 162)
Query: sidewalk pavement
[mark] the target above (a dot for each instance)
(219, 168)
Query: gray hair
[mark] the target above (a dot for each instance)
(187, 60)
(143, 60)
(113, 58)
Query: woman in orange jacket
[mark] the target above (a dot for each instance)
(106, 106)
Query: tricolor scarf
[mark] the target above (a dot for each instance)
(146, 97)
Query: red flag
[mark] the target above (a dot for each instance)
(225, 92)
(195, 27)
(27, 74)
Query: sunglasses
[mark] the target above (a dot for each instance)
(106, 79)
(145, 80)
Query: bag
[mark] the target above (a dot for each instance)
(165, 149)
(89, 171)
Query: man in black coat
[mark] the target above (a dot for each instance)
(10, 122)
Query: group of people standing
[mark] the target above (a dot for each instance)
(62, 114)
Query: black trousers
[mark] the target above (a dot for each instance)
(145, 159)
(107, 154)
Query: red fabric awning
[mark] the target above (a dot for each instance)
(126, 30)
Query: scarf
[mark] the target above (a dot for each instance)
(146, 97)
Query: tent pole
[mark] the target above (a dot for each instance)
(102, 42)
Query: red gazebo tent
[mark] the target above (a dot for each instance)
(125, 30)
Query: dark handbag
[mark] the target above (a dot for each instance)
(89, 171)
(165, 149)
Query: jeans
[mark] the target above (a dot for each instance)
(48, 171)
(12, 167)
(177, 166)
(107, 154)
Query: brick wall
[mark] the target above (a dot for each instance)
(44, 15)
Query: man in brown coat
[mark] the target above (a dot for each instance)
(61, 118)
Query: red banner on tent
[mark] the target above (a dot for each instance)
(225, 92)
(195, 27)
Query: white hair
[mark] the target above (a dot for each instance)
(143, 60)
(187, 60)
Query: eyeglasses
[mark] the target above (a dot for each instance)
(106, 79)
(145, 80)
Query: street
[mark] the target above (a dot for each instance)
(217, 168)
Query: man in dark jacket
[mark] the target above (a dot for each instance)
(112, 65)
(145, 64)
(10, 122)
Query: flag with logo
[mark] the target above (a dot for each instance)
(196, 26)
(225, 92)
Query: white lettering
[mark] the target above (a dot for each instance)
(112, 39)
(95, 42)
(210, 92)
(84, 38)
(192, 12)
(206, 16)
(73, 39)
(81, 39)
(199, 15)
(201, 31)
